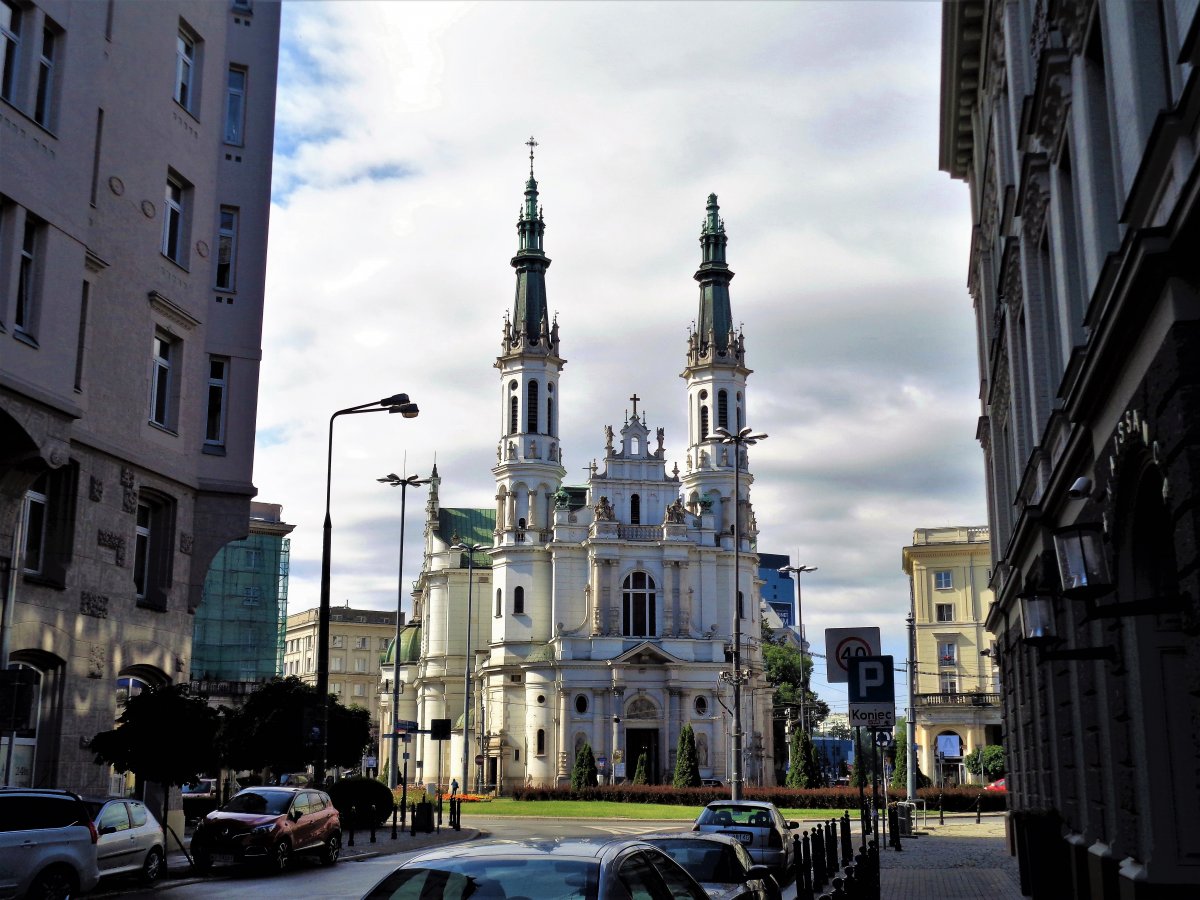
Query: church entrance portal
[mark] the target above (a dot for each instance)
(637, 742)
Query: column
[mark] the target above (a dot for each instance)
(565, 749)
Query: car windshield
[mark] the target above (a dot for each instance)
(746, 816)
(268, 803)
(197, 787)
(706, 861)
(493, 878)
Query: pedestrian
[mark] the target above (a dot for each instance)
(453, 786)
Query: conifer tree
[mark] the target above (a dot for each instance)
(687, 763)
(639, 777)
(584, 773)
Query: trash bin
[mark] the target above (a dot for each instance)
(905, 813)
(423, 817)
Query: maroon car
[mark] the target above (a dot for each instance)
(269, 825)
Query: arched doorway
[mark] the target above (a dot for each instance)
(642, 738)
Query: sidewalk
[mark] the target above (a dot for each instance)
(955, 861)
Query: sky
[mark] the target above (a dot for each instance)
(400, 164)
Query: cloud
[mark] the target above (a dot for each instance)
(399, 173)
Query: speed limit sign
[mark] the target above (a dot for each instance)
(843, 643)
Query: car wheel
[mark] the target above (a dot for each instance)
(152, 868)
(332, 849)
(54, 884)
(281, 857)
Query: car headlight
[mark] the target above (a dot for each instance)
(263, 829)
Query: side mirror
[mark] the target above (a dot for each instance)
(108, 829)
(758, 872)
(294, 814)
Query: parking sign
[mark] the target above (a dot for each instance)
(871, 689)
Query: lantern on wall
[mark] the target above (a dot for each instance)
(1037, 619)
(1082, 561)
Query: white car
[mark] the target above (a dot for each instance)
(47, 844)
(130, 838)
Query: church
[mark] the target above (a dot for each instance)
(598, 613)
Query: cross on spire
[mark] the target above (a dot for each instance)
(635, 398)
(531, 143)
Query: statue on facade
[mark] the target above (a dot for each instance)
(608, 438)
(562, 499)
(675, 512)
(661, 434)
(604, 511)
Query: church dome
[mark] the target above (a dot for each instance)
(410, 647)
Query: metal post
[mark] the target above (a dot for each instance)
(910, 727)
(470, 550)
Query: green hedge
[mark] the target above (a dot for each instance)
(960, 799)
(365, 796)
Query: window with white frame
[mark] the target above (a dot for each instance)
(163, 386)
(25, 314)
(308, 663)
(949, 684)
(185, 69)
(360, 665)
(338, 640)
(384, 643)
(153, 543)
(37, 502)
(362, 643)
(174, 239)
(639, 602)
(945, 612)
(141, 550)
(227, 236)
(337, 664)
(43, 106)
(360, 690)
(251, 595)
(218, 388)
(335, 688)
(10, 47)
(943, 580)
(235, 106)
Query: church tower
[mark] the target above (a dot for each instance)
(716, 385)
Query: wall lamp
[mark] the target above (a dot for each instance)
(1084, 574)
(1039, 630)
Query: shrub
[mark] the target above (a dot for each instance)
(366, 797)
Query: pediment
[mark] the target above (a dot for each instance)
(645, 654)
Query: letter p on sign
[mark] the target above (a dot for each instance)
(872, 680)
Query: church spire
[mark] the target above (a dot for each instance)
(714, 325)
(530, 317)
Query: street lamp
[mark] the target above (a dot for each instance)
(393, 770)
(798, 571)
(739, 439)
(397, 403)
(469, 549)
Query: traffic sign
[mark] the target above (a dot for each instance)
(871, 690)
(406, 725)
(843, 644)
(479, 759)
(601, 761)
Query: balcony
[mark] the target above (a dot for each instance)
(639, 532)
(967, 699)
(948, 661)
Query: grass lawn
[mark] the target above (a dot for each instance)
(603, 809)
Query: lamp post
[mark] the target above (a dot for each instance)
(910, 735)
(393, 770)
(739, 439)
(798, 571)
(470, 550)
(397, 403)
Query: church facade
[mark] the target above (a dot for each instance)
(598, 613)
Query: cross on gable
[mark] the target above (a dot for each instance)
(635, 398)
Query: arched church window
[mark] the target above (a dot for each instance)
(531, 404)
(512, 415)
(702, 409)
(518, 601)
(722, 409)
(741, 419)
(541, 742)
(549, 415)
(641, 708)
(638, 602)
(499, 601)
(635, 510)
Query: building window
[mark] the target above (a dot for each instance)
(335, 687)
(499, 602)
(337, 664)
(36, 503)
(943, 580)
(10, 45)
(703, 415)
(44, 102)
(945, 612)
(251, 595)
(85, 300)
(518, 601)
(541, 742)
(25, 315)
(722, 409)
(549, 412)
(638, 606)
(360, 665)
(581, 704)
(227, 234)
(153, 544)
(949, 684)
(235, 106)
(384, 643)
(163, 386)
(701, 706)
(218, 385)
(362, 643)
(185, 70)
(635, 510)
(359, 690)
(174, 220)
(338, 640)
(947, 653)
(531, 407)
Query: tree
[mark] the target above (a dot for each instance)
(584, 773)
(279, 728)
(163, 734)
(687, 763)
(804, 769)
(795, 771)
(787, 670)
(639, 777)
(900, 773)
(987, 762)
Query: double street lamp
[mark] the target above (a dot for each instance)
(798, 571)
(469, 549)
(393, 770)
(742, 438)
(397, 403)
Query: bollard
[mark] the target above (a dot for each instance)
(394, 805)
(941, 810)
(373, 823)
(847, 841)
(458, 815)
(818, 858)
(831, 846)
(413, 820)
(850, 883)
(873, 864)
(352, 824)
(804, 889)
(839, 889)
(797, 863)
(978, 807)
(894, 822)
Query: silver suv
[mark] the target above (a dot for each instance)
(47, 844)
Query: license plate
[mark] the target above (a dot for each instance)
(223, 859)
(744, 836)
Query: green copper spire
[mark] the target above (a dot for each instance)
(714, 325)
(530, 323)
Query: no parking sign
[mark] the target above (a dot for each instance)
(841, 644)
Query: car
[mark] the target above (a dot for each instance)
(204, 789)
(719, 862)
(997, 785)
(582, 869)
(758, 825)
(269, 826)
(47, 844)
(129, 838)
